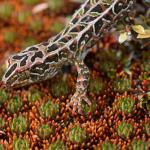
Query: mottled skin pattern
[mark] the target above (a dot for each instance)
(43, 61)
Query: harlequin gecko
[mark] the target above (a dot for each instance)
(43, 61)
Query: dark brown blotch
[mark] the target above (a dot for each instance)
(33, 49)
(118, 7)
(51, 58)
(75, 20)
(63, 54)
(97, 8)
(73, 46)
(88, 18)
(65, 39)
(45, 43)
(18, 57)
(98, 25)
(37, 55)
(10, 70)
(52, 48)
(23, 62)
(38, 68)
(86, 36)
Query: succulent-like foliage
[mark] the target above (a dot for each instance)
(28, 42)
(19, 124)
(109, 69)
(9, 36)
(144, 102)
(77, 134)
(58, 145)
(49, 109)
(3, 147)
(22, 16)
(124, 103)
(122, 84)
(2, 123)
(3, 96)
(86, 108)
(30, 2)
(6, 10)
(14, 104)
(147, 128)
(36, 25)
(44, 131)
(55, 5)
(20, 144)
(57, 26)
(96, 85)
(59, 88)
(146, 66)
(108, 146)
(124, 130)
(139, 145)
(34, 95)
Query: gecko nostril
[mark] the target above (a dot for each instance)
(9, 62)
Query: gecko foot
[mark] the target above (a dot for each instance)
(76, 101)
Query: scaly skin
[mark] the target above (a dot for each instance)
(43, 61)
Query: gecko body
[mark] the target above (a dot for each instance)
(43, 61)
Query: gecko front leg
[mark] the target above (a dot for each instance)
(81, 87)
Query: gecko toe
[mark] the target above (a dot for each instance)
(76, 102)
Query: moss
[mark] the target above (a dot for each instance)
(124, 103)
(14, 105)
(34, 95)
(36, 25)
(31, 2)
(44, 131)
(57, 27)
(108, 146)
(9, 36)
(55, 5)
(19, 124)
(96, 85)
(1, 147)
(6, 10)
(49, 109)
(139, 145)
(124, 130)
(20, 144)
(77, 135)
(58, 145)
(59, 88)
(122, 84)
(2, 123)
(22, 16)
(3, 96)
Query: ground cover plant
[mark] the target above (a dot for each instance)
(36, 116)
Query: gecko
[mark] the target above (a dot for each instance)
(44, 60)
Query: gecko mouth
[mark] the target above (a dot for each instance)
(16, 80)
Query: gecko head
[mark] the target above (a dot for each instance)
(15, 75)
(29, 67)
